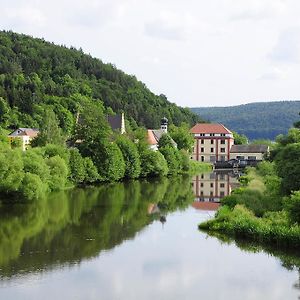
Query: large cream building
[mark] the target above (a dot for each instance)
(212, 142)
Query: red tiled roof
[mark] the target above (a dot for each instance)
(206, 205)
(151, 138)
(209, 128)
(32, 133)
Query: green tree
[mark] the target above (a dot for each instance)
(58, 173)
(4, 112)
(92, 174)
(239, 139)
(77, 167)
(11, 170)
(292, 206)
(16, 143)
(173, 159)
(288, 167)
(50, 132)
(32, 186)
(131, 157)
(165, 141)
(109, 161)
(153, 164)
(182, 136)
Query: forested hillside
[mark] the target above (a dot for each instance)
(264, 120)
(35, 73)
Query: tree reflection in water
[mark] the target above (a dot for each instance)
(78, 224)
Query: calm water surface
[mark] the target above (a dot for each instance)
(136, 240)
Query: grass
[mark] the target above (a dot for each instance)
(274, 228)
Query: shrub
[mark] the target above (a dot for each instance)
(292, 206)
(131, 157)
(153, 164)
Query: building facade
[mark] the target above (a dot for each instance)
(212, 142)
(25, 135)
(249, 152)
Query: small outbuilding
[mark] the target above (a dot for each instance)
(249, 152)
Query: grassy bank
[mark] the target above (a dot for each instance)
(274, 228)
(256, 211)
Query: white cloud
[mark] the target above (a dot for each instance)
(274, 74)
(195, 52)
(287, 49)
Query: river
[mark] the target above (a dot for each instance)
(136, 240)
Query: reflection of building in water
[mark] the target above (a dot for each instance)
(212, 187)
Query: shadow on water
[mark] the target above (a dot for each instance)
(70, 226)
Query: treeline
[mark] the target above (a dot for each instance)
(94, 154)
(266, 207)
(36, 75)
(263, 120)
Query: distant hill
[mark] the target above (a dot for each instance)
(261, 120)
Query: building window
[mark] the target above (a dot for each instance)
(201, 193)
(240, 157)
(202, 158)
(201, 184)
(222, 194)
(222, 185)
(223, 134)
(223, 142)
(211, 141)
(252, 157)
(211, 149)
(202, 141)
(202, 176)
(212, 159)
(222, 157)
(211, 185)
(212, 134)
(211, 193)
(202, 149)
(222, 150)
(202, 134)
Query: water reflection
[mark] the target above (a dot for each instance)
(210, 188)
(78, 224)
(134, 240)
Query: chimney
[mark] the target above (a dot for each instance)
(164, 124)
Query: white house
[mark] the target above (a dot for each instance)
(25, 135)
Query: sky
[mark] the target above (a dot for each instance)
(196, 52)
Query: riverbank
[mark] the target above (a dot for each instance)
(258, 212)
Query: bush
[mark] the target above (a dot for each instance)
(153, 164)
(32, 186)
(91, 171)
(76, 166)
(292, 206)
(131, 157)
(58, 173)
(109, 162)
(172, 157)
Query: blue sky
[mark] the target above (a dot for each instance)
(198, 53)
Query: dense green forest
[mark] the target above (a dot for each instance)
(263, 120)
(35, 73)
